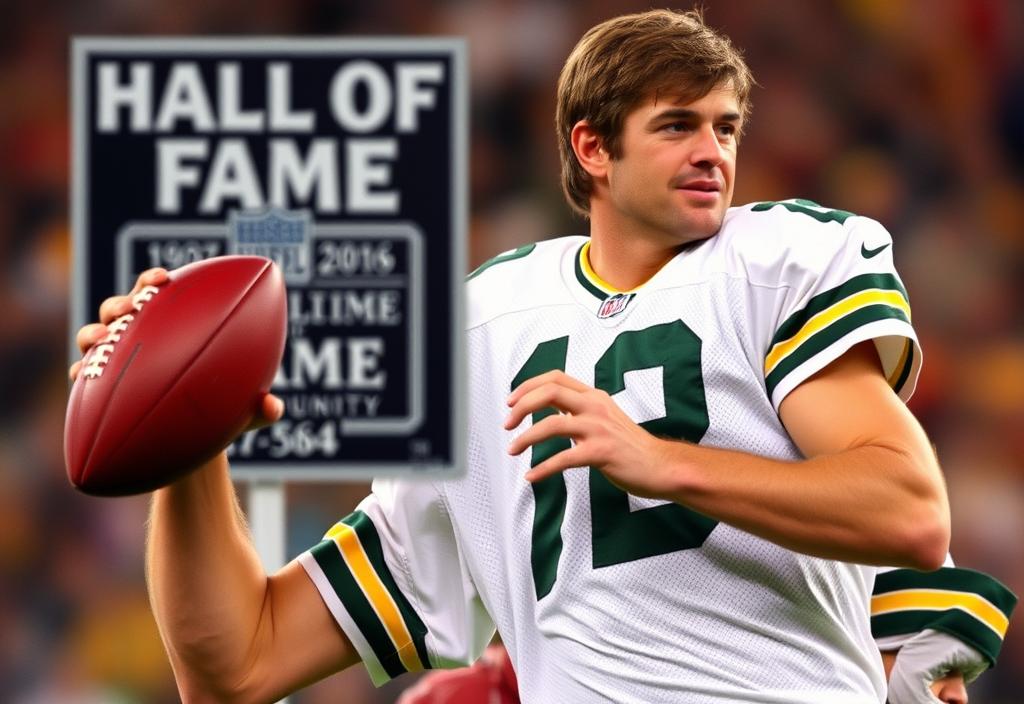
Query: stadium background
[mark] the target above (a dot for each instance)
(911, 112)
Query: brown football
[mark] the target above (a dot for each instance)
(177, 379)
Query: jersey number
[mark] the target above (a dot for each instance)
(619, 534)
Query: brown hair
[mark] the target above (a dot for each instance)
(620, 62)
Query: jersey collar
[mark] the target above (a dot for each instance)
(588, 278)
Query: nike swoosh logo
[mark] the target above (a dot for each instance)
(868, 253)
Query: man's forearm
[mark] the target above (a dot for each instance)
(206, 583)
(869, 504)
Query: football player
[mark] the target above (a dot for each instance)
(686, 445)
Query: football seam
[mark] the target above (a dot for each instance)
(128, 435)
(104, 420)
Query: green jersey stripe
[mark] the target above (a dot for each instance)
(826, 299)
(952, 579)
(344, 584)
(957, 623)
(823, 338)
(367, 533)
(585, 282)
(507, 257)
(901, 380)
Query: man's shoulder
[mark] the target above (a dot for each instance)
(777, 225)
(522, 278)
(767, 241)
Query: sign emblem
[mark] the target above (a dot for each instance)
(280, 235)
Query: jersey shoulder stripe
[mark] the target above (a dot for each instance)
(835, 283)
(505, 257)
(832, 314)
(352, 560)
(969, 605)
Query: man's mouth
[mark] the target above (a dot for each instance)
(706, 185)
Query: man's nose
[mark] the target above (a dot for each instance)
(707, 149)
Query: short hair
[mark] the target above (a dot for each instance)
(622, 61)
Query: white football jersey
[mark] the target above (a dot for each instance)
(601, 596)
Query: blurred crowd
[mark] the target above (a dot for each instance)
(911, 112)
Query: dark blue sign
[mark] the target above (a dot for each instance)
(344, 161)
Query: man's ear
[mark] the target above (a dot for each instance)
(589, 149)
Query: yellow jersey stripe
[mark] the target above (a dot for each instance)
(591, 274)
(831, 314)
(940, 600)
(596, 280)
(376, 593)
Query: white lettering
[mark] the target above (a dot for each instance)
(185, 98)
(232, 176)
(378, 93)
(311, 365)
(412, 95)
(365, 170)
(322, 364)
(363, 360)
(172, 174)
(282, 117)
(288, 174)
(229, 101)
(136, 95)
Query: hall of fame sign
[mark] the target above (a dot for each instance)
(344, 161)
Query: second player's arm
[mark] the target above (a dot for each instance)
(870, 491)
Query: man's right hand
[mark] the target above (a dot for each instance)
(114, 307)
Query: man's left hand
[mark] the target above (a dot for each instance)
(932, 668)
(603, 436)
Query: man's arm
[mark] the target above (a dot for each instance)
(232, 633)
(870, 492)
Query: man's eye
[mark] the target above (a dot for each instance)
(727, 130)
(677, 127)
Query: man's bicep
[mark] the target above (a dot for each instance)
(303, 641)
(849, 404)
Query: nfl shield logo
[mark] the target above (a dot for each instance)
(613, 305)
(279, 235)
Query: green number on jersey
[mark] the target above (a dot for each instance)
(807, 207)
(548, 494)
(619, 534)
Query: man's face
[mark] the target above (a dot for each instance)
(673, 179)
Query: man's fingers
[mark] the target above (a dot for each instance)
(563, 398)
(89, 335)
(553, 426)
(73, 372)
(554, 376)
(116, 306)
(270, 411)
(566, 459)
(150, 277)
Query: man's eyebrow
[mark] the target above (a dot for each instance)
(687, 114)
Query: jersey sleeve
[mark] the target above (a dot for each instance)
(392, 575)
(838, 287)
(971, 606)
